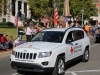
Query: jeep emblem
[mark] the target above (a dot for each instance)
(25, 50)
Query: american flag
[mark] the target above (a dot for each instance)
(16, 20)
(55, 13)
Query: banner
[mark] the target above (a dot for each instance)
(66, 7)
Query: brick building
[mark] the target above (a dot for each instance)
(97, 2)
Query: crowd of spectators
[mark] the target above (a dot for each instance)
(32, 28)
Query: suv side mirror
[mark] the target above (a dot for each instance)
(69, 40)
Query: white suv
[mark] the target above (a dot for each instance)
(51, 50)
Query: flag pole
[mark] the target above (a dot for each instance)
(55, 13)
(16, 22)
(66, 10)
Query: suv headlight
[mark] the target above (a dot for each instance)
(44, 54)
(13, 52)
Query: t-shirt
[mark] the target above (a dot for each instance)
(87, 28)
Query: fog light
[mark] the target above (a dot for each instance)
(45, 63)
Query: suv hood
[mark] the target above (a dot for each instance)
(39, 45)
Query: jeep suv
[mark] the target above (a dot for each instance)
(50, 50)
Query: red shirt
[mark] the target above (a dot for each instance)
(3, 39)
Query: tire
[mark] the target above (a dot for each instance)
(85, 55)
(59, 68)
(20, 72)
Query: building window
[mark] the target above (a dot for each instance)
(13, 8)
(96, 1)
(19, 6)
(97, 8)
(25, 9)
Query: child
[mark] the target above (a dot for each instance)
(11, 41)
(18, 42)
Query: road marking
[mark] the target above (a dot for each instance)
(15, 74)
(73, 73)
(94, 45)
(83, 71)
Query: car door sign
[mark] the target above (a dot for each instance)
(30, 45)
(77, 48)
(71, 50)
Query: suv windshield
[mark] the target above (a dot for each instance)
(49, 36)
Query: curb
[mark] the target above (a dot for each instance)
(5, 52)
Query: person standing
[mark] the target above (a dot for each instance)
(28, 34)
(20, 32)
(77, 24)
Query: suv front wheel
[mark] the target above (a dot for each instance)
(59, 68)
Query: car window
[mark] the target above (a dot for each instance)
(81, 34)
(49, 36)
(78, 34)
(70, 36)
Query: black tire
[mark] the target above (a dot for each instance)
(58, 61)
(86, 55)
(20, 72)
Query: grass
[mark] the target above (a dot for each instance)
(10, 32)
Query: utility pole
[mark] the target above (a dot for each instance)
(82, 16)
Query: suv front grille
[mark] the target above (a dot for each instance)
(22, 55)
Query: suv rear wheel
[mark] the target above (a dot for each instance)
(59, 68)
(85, 55)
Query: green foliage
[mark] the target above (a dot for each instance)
(39, 7)
(76, 7)
(7, 25)
(42, 7)
(4, 3)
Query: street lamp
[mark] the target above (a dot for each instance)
(82, 16)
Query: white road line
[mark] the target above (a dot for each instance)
(15, 74)
(73, 73)
(83, 71)
(94, 45)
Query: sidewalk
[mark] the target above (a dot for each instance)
(5, 52)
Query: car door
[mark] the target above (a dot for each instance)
(78, 41)
(74, 47)
(70, 45)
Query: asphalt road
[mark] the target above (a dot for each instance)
(78, 68)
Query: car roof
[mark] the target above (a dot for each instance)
(62, 29)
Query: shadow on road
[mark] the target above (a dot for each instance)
(67, 67)
(73, 64)
(33, 73)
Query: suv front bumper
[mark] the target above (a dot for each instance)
(30, 67)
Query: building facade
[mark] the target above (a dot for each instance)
(97, 2)
(13, 9)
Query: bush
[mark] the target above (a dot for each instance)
(7, 25)
(11, 24)
(3, 24)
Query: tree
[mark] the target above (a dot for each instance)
(87, 5)
(3, 3)
(41, 7)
